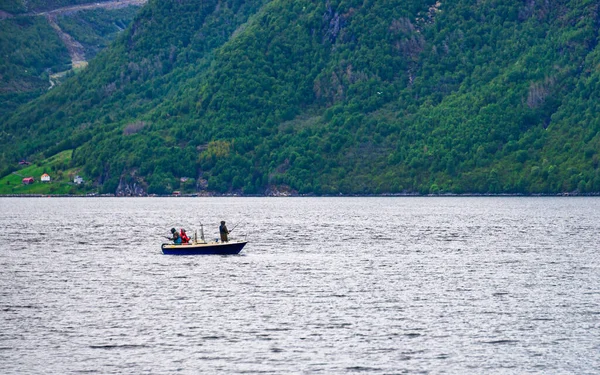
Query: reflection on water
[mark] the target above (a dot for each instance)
(330, 285)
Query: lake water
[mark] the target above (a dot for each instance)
(326, 285)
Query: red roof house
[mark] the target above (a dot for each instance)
(28, 180)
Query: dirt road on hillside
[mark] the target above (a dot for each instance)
(76, 50)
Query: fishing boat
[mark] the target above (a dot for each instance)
(206, 248)
(199, 246)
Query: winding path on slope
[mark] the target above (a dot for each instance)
(75, 48)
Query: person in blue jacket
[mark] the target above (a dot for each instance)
(176, 237)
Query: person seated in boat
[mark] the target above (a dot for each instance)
(176, 237)
(184, 237)
(223, 231)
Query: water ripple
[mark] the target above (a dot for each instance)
(326, 285)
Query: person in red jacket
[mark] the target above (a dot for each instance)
(184, 236)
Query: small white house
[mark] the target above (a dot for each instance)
(78, 180)
(45, 177)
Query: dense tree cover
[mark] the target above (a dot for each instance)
(32, 50)
(96, 29)
(346, 96)
(12, 6)
(29, 48)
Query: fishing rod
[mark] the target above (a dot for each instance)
(235, 226)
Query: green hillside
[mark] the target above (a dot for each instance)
(32, 52)
(96, 29)
(336, 97)
(61, 175)
(30, 49)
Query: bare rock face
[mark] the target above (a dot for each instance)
(280, 191)
(132, 189)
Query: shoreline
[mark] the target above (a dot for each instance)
(401, 195)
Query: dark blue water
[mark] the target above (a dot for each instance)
(326, 285)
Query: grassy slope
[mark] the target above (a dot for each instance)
(57, 166)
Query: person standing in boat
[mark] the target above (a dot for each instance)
(176, 237)
(184, 236)
(223, 231)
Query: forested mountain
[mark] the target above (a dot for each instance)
(333, 97)
(34, 58)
